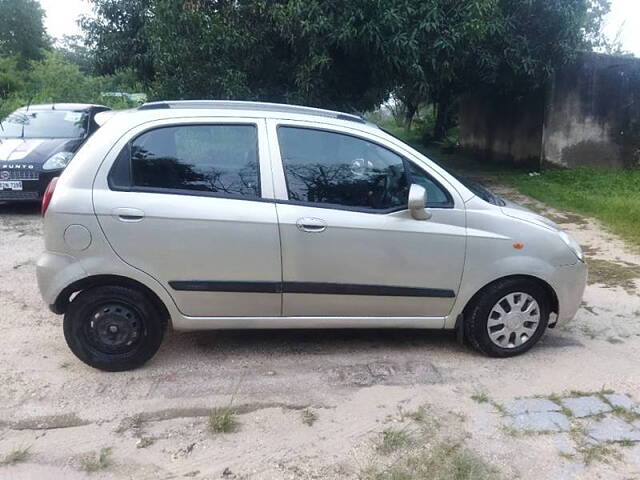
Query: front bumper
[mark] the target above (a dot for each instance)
(569, 283)
(34, 183)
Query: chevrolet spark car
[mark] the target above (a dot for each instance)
(36, 144)
(235, 215)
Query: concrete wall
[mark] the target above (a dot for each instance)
(503, 131)
(593, 113)
(589, 115)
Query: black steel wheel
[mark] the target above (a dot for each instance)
(113, 328)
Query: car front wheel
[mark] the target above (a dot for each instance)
(113, 328)
(507, 318)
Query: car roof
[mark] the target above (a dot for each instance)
(63, 106)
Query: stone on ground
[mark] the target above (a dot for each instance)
(613, 430)
(531, 405)
(621, 401)
(585, 406)
(539, 422)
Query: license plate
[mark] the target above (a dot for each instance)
(12, 185)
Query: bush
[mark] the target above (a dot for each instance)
(56, 80)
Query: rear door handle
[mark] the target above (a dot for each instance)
(128, 214)
(311, 225)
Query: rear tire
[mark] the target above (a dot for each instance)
(113, 328)
(507, 318)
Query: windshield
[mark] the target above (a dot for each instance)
(44, 124)
(479, 190)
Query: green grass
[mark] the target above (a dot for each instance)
(17, 456)
(95, 463)
(419, 415)
(444, 461)
(480, 398)
(393, 440)
(309, 417)
(611, 196)
(223, 420)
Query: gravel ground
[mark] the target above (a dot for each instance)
(314, 405)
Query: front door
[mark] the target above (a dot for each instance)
(349, 245)
(186, 204)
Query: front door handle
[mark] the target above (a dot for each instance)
(128, 214)
(311, 225)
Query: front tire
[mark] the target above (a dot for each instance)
(113, 328)
(507, 318)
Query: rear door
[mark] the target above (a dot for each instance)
(190, 203)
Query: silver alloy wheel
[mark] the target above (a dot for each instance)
(513, 320)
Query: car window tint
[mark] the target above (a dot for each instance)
(436, 196)
(332, 168)
(209, 158)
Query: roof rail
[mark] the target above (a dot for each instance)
(241, 105)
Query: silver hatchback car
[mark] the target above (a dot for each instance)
(237, 215)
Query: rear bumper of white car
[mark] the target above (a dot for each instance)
(569, 283)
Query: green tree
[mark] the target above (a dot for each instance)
(11, 77)
(446, 48)
(290, 51)
(342, 54)
(22, 32)
(117, 36)
(74, 50)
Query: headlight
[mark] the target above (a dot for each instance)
(58, 161)
(572, 244)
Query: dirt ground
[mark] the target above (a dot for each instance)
(309, 405)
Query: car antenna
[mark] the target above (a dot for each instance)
(1, 126)
(28, 106)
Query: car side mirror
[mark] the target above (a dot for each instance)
(417, 202)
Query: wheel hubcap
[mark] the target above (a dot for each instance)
(114, 328)
(513, 320)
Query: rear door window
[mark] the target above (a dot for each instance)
(212, 159)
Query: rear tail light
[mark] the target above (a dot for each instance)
(48, 195)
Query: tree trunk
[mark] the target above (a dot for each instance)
(409, 115)
(443, 111)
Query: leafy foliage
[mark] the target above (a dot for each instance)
(117, 36)
(55, 79)
(74, 50)
(290, 51)
(22, 33)
(346, 55)
(445, 48)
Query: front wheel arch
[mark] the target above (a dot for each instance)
(551, 293)
(473, 326)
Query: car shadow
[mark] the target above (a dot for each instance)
(241, 344)
(20, 208)
(310, 342)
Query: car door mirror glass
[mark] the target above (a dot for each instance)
(417, 202)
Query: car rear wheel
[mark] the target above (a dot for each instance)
(113, 328)
(507, 318)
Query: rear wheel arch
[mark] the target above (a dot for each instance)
(64, 298)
